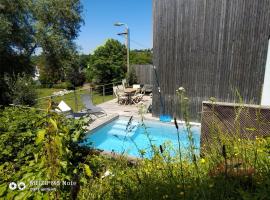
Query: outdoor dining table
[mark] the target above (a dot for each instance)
(129, 92)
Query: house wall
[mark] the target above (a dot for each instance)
(145, 74)
(212, 48)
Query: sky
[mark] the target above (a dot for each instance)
(100, 15)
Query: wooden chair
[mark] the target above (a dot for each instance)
(121, 98)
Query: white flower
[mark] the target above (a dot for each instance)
(181, 89)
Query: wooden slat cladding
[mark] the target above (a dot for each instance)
(145, 74)
(244, 121)
(212, 48)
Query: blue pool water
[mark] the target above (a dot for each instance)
(115, 137)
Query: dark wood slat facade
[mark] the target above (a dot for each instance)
(211, 48)
(145, 74)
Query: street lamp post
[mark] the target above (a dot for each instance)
(127, 36)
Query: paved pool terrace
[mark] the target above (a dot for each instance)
(114, 110)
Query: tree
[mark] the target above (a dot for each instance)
(108, 63)
(22, 90)
(25, 25)
(16, 43)
(58, 22)
(143, 56)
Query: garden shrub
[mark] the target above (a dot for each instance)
(37, 145)
(22, 89)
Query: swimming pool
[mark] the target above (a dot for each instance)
(119, 137)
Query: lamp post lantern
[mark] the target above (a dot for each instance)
(127, 36)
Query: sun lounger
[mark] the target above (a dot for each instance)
(63, 108)
(90, 107)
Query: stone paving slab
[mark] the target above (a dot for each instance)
(112, 107)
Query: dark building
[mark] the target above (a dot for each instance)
(212, 48)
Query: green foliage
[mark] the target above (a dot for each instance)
(16, 37)
(75, 75)
(131, 76)
(16, 43)
(83, 60)
(25, 25)
(21, 89)
(58, 22)
(39, 146)
(141, 56)
(108, 63)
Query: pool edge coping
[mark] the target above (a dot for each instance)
(97, 124)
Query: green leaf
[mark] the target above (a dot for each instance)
(53, 122)
(40, 136)
(22, 195)
(3, 189)
(87, 170)
(36, 157)
(76, 136)
(64, 164)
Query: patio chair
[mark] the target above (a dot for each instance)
(121, 97)
(136, 97)
(136, 86)
(140, 96)
(90, 107)
(124, 82)
(120, 88)
(148, 88)
(63, 108)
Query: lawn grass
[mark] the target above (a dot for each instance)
(69, 98)
(44, 92)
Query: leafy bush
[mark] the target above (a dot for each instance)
(39, 145)
(142, 56)
(76, 77)
(22, 89)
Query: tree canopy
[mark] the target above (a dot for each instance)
(108, 63)
(25, 26)
(143, 56)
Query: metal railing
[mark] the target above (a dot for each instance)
(98, 94)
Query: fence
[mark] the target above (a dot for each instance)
(98, 94)
(240, 120)
(145, 74)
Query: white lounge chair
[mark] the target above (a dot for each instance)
(63, 108)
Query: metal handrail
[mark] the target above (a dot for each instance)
(82, 89)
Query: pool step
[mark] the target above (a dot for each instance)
(125, 123)
(120, 129)
(121, 133)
